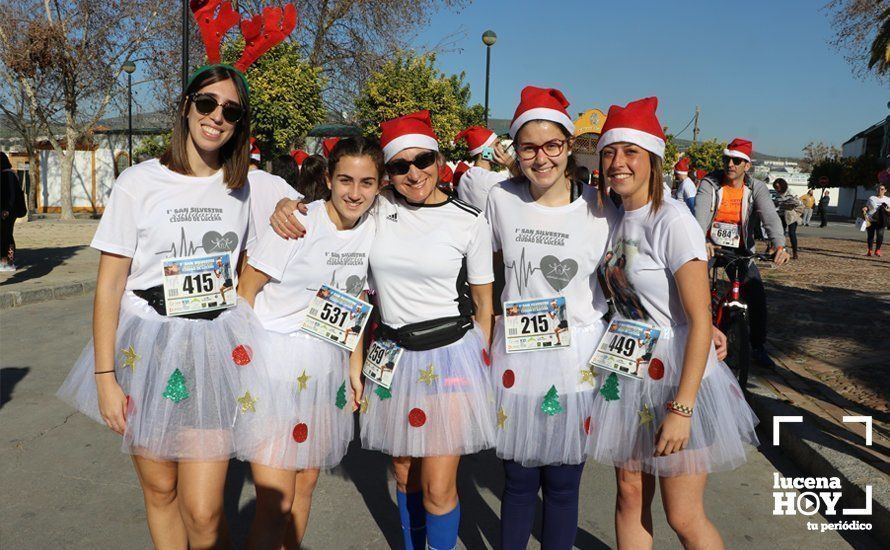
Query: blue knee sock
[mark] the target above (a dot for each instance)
(561, 484)
(442, 530)
(413, 518)
(518, 504)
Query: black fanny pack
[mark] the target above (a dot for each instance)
(155, 298)
(427, 334)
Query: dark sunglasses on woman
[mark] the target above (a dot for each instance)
(206, 104)
(401, 167)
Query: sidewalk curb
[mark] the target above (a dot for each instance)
(812, 450)
(15, 298)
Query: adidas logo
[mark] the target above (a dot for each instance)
(394, 217)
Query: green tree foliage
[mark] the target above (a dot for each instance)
(846, 172)
(411, 83)
(151, 147)
(671, 153)
(706, 155)
(285, 97)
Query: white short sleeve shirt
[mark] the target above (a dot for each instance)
(475, 185)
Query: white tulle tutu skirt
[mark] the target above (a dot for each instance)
(528, 434)
(447, 412)
(182, 379)
(622, 432)
(309, 423)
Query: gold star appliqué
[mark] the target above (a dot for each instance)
(247, 402)
(303, 381)
(363, 405)
(646, 416)
(427, 376)
(130, 358)
(502, 418)
(588, 375)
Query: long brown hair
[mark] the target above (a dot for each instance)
(656, 184)
(234, 154)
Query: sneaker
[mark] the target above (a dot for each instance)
(869, 252)
(761, 356)
(877, 253)
(6, 268)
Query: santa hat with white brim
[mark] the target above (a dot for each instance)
(477, 138)
(541, 104)
(636, 123)
(405, 132)
(739, 148)
(254, 150)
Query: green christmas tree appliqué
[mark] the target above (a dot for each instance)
(341, 396)
(383, 393)
(176, 390)
(551, 405)
(609, 390)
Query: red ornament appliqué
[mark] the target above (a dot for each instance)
(508, 379)
(242, 355)
(485, 357)
(587, 425)
(656, 369)
(417, 418)
(301, 432)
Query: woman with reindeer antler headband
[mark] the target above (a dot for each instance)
(169, 337)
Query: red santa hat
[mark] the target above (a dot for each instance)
(700, 174)
(477, 138)
(636, 123)
(739, 148)
(459, 171)
(541, 104)
(299, 156)
(682, 166)
(254, 150)
(446, 174)
(405, 132)
(328, 145)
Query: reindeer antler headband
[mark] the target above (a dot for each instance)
(261, 32)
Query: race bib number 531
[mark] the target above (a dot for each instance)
(336, 317)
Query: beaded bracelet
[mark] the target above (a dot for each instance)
(678, 408)
(104, 371)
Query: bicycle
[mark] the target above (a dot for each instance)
(729, 310)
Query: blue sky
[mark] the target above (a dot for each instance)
(758, 69)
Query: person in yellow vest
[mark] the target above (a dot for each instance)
(809, 202)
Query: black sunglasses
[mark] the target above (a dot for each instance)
(735, 160)
(401, 167)
(206, 104)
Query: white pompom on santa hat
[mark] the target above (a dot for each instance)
(405, 132)
(541, 104)
(477, 138)
(254, 150)
(636, 123)
(739, 148)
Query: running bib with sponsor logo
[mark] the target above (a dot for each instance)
(538, 324)
(197, 284)
(383, 357)
(336, 317)
(725, 234)
(626, 348)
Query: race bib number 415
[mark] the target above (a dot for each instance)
(538, 324)
(626, 348)
(198, 283)
(337, 317)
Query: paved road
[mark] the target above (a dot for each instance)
(65, 484)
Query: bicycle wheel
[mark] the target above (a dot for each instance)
(738, 345)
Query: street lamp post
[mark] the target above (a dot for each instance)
(129, 67)
(185, 44)
(488, 38)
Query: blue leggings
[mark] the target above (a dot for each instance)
(560, 486)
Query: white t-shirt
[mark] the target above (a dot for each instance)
(265, 191)
(154, 213)
(298, 267)
(476, 183)
(644, 253)
(425, 255)
(686, 190)
(873, 203)
(551, 251)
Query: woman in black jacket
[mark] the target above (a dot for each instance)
(9, 189)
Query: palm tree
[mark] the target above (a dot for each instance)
(880, 48)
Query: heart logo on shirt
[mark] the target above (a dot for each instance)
(558, 272)
(214, 242)
(354, 285)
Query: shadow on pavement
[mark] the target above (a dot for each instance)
(239, 518)
(9, 377)
(37, 262)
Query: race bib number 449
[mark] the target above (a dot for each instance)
(337, 317)
(626, 348)
(198, 283)
(725, 234)
(538, 324)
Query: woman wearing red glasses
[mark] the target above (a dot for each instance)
(431, 266)
(163, 369)
(549, 234)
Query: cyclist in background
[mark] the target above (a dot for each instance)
(726, 202)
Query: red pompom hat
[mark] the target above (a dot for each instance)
(299, 156)
(254, 150)
(328, 145)
(446, 174)
(405, 132)
(477, 138)
(459, 171)
(636, 123)
(541, 104)
(682, 166)
(739, 148)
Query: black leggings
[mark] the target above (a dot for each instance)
(872, 231)
(7, 242)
